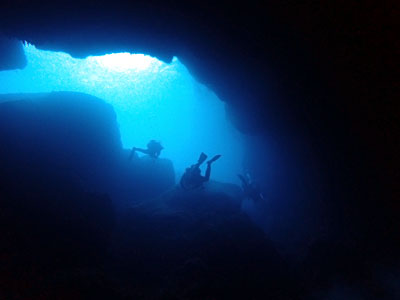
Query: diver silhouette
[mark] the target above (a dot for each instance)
(250, 188)
(153, 149)
(192, 177)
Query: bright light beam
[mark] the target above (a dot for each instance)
(125, 61)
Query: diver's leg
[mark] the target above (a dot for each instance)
(201, 159)
(208, 172)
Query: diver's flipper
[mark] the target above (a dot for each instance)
(214, 159)
(202, 158)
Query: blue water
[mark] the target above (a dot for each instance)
(152, 100)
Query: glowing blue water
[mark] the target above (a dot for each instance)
(152, 100)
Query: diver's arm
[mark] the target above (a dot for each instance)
(132, 153)
(145, 151)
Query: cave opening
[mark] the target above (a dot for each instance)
(152, 100)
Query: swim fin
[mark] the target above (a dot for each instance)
(214, 158)
(202, 158)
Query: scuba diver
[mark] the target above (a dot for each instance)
(192, 177)
(153, 149)
(250, 188)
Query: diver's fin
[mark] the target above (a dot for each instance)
(214, 159)
(202, 158)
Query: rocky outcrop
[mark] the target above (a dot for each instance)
(140, 179)
(67, 133)
(198, 245)
(60, 153)
(56, 152)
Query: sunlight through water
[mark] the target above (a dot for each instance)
(152, 100)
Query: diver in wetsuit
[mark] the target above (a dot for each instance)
(153, 149)
(192, 177)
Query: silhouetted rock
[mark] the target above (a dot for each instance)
(198, 245)
(51, 225)
(53, 150)
(69, 133)
(12, 55)
(141, 178)
(61, 160)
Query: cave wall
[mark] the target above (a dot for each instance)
(12, 55)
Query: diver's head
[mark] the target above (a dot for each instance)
(154, 145)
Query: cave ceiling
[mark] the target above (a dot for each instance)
(280, 62)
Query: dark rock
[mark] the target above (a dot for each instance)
(198, 245)
(12, 55)
(51, 225)
(61, 160)
(141, 178)
(69, 133)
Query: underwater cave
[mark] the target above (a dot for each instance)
(298, 100)
(153, 100)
